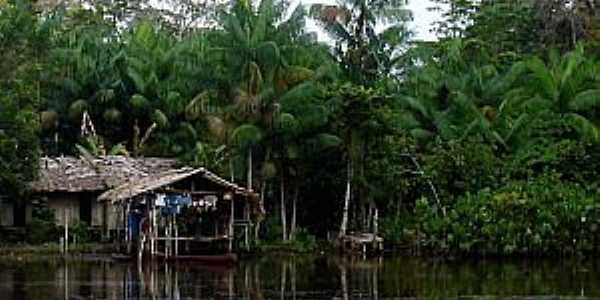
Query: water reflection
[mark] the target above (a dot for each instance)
(300, 277)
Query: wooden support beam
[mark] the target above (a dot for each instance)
(127, 229)
(246, 229)
(190, 192)
(231, 219)
(176, 236)
(167, 237)
(195, 239)
(153, 230)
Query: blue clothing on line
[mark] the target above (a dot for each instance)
(173, 204)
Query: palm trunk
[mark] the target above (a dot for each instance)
(344, 225)
(231, 172)
(294, 205)
(375, 221)
(369, 217)
(249, 179)
(283, 209)
(261, 207)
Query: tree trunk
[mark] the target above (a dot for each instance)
(294, 205)
(261, 207)
(369, 218)
(344, 225)
(231, 171)
(283, 210)
(249, 179)
(430, 183)
(375, 221)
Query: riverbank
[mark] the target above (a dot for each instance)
(26, 251)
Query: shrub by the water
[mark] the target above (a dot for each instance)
(541, 216)
(42, 228)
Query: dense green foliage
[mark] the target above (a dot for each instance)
(22, 39)
(485, 141)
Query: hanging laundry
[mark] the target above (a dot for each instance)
(160, 200)
(174, 203)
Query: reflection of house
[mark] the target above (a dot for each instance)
(70, 186)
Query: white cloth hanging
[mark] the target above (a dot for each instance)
(160, 200)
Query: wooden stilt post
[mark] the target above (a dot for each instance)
(152, 230)
(176, 236)
(246, 238)
(127, 229)
(66, 215)
(170, 241)
(246, 227)
(231, 217)
(171, 220)
(167, 221)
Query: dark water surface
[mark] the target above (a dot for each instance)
(301, 277)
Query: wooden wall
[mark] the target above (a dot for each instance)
(6, 213)
(64, 206)
(105, 214)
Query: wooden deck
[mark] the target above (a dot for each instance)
(364, 243)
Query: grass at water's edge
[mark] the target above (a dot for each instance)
(52, 251)
(26, 251)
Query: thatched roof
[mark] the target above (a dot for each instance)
(72, 174)
(148, 184)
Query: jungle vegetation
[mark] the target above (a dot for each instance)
(485, 141)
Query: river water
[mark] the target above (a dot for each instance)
(301, 277)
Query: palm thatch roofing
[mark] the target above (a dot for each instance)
(73, 174)
(152, 183)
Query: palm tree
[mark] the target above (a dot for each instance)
(567, 85)
(364, 54)
(462, 94)
(365, 57)
(266, 54)
(86, 79)
(359, 119)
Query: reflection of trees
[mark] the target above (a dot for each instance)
(283, 280)
(344, 281)
(364, 277)
(288, 266)
(257, 283)
(301, 277)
